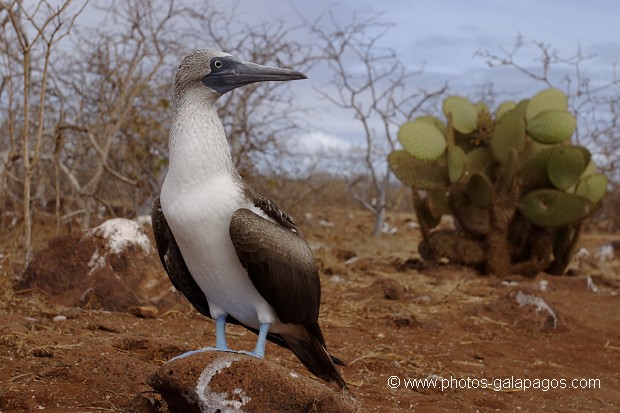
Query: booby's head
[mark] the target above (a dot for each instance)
(221, 72)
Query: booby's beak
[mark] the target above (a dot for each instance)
(228, 73)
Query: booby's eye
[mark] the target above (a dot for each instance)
(217, 64)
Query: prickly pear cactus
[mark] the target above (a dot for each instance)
(511, 179)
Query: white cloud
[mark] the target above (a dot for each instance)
(318, 142)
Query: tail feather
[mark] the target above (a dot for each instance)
(337, 361)
(315, 331)
(314, 356)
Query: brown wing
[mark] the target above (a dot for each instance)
(280, 265)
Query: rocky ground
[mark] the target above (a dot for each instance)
(89, 328)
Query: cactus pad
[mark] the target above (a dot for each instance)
(437, 201)
(565, 166)
(481, 107)
(553, 208)
(509, 133)
(552, 126)
(522, 105)
(592, 187)
(587, 157)
(422, 139)
(477, 160)
(504, 108)
(472, 218)
(548, 99)
(417, 173)
(433, 120)
(456, 163)
(463, 112)
(590, 169)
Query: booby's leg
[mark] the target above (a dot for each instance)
(259, 350)
(220, 333)
(220, 340)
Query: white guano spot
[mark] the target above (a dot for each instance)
(211, 401)
(543, 285)
(591, 286)
(96, 261)
(539, 303)
(122, 233)
(605, 253)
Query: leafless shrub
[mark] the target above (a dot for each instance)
(30, 33)
(370, 82)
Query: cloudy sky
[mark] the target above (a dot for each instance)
(443, 36)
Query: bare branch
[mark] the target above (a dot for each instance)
(375, 95)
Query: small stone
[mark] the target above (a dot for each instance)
(423, 299)
(391, 289)
(42, 352)
(144, 311)
(401, 320)
(145, 403)
(337, 279)
(59, 318)
(344, 254)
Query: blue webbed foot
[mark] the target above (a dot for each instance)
(201, 350)
(220, 341)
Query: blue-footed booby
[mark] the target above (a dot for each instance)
(235, 254)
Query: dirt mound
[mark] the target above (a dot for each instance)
(216, 381)
(111, 267)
